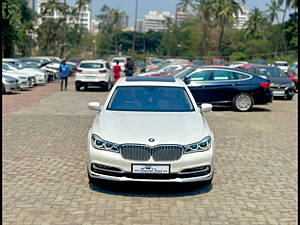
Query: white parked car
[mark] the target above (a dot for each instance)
(94, 73)
(26, 80)
(166, 69)
(283, 65)
(150, 129)
(122, 62)
(10, 83)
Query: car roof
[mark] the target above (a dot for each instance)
(150, 81)
(280, 61)
(9, 60)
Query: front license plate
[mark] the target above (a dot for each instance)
(153, 169)
(278, 92)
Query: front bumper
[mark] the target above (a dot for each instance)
(116, 168)
(12, 87)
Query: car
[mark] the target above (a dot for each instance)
(226, 86)
(77, 61)
(218, 62)
(41, 77)
(283, 65)
(26, 80)
(236, 64)
(281, 85)
(150, 129)
(140, 66)
(122, 61)
(10, 83)
(199, 62)
(94, 73)
(164, 71)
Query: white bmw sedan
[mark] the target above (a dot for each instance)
(150, 129)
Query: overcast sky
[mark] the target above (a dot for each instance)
(158, 5)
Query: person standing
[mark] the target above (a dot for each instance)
(129, 68)
(64, 72)
(117, 71)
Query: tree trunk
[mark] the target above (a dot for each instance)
(280, 39)
(222, 26)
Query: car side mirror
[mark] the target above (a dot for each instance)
(187, 80)
(206, 107)
(96, 106)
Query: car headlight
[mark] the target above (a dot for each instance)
(101, 144)
(200, 146)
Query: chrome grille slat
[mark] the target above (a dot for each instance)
(159, 153)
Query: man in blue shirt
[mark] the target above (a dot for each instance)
(64, 72)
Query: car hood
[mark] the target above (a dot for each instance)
(138, 127)
(19, 73)
(32, 71)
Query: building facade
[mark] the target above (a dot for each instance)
(181, 16)
(156, 21)
(241, 19)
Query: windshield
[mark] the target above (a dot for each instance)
(184, 73)
(30, 64)
(91, 65)
(269, 72)
(281, 64)
(150, 99)
(119, 60)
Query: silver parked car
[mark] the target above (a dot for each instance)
(10, 84)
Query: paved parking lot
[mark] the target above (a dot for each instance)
(45, 182)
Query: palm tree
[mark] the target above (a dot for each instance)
(256, 23)
(225, 11)
(273, 9)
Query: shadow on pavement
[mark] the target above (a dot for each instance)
(11, 93)
(229, 108)
(150, 190)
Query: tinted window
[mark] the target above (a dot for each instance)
(281, 64)
(92, 65)
(150, 98)
(240, 76)
(183, 72)
(223, 75)
(200, 76)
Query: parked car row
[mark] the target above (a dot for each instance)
(23, 73)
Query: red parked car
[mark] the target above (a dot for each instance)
(218, 62)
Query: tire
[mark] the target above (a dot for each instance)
(289, 97)
(77, 88)
(107, 86)
(242, 102)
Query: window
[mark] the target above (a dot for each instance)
(200, 76)
(91, 65)
(240, 76)
(150, 99)
(223, 75)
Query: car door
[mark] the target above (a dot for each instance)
(198, 80)
(224, 85)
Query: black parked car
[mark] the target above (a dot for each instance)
(281, 85)
(219, 85)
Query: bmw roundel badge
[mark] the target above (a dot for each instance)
(151, 139)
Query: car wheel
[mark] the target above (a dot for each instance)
(242, 102)
(107, 86)
(290, 97)
(77, 88)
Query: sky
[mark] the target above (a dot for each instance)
(157, 5)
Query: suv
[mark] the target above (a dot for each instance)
(94, 73)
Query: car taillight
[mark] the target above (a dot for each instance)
(78, 70)
(265, 84)
(102, 71)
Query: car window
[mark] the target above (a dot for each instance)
(91, 65)
(240, 76)
(223, 75)
(168, 69)
(200, 76)
(151, 99)
(268, 72)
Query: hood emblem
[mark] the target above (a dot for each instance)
(151, 139)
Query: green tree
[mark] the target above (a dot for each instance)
(256, 24)
(273, 9)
